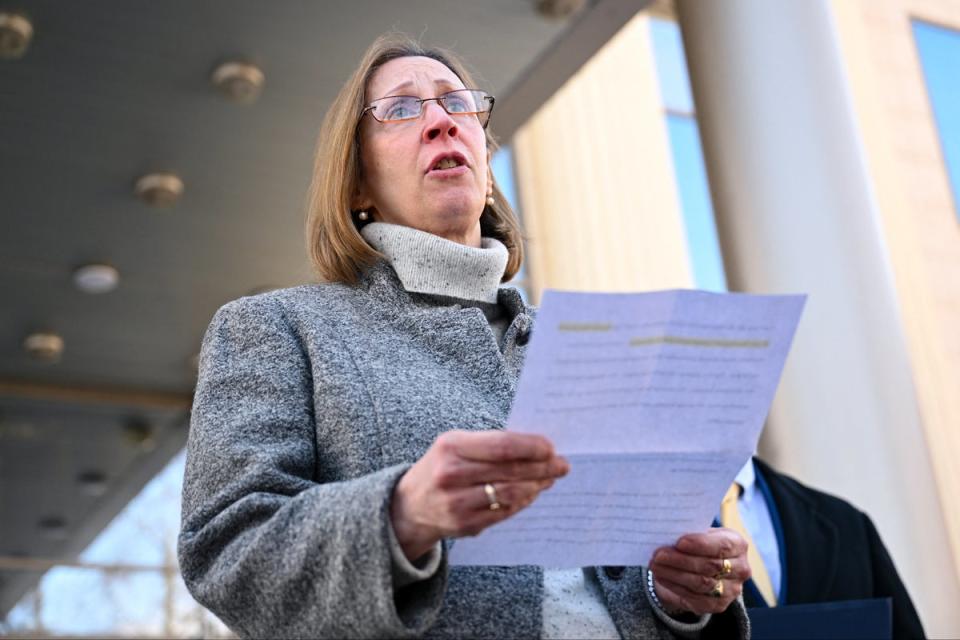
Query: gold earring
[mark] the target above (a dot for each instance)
(364, 216)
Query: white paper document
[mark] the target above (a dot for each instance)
(657, 400)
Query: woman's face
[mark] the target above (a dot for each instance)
(401, 183)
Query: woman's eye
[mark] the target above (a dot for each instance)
(457, 105)
(400, 110)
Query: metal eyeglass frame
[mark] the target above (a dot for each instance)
(440, 101)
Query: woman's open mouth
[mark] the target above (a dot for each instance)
(448, 166)
(452, 172)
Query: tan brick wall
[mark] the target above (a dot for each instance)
(596, 181)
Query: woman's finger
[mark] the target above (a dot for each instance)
(667, 557)
(510, 496)
(700, 602)
(694, 583)
(496, 446)
(715, 543)
(459, 472)
(474, 511)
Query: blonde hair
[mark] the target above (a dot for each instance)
(337, 250)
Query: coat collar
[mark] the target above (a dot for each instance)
(381, 281)
(435, 325)
(430, 264)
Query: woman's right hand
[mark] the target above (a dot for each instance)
(443, 494)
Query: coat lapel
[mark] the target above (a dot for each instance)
(455, 334)
(518, 333)
(810, 539)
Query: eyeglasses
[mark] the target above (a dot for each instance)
(462, 102)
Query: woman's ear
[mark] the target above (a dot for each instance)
(489, 177)
(361, 200)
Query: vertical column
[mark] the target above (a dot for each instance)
(795, 214)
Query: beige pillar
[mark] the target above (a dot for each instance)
(796, 213)
(918, 211)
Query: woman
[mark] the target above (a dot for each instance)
(342, 432)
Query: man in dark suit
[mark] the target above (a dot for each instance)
(824, 549)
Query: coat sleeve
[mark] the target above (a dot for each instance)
(887, 584)
(262, 545)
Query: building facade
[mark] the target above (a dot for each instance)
(827, 138)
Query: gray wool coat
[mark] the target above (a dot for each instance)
(310, 405)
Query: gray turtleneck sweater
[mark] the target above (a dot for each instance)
(446, 273)
(442, 272)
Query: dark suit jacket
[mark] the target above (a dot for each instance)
(833, 552)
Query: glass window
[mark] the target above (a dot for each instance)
(502, 165)
(671, 66)
(939, 49)
(694, 190)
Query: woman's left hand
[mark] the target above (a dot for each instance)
(692, 575)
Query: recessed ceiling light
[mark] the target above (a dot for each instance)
(53, 527)
(239, 81)
(96, 278)
(139, 434)
(558, 9)
(11, 429)
(16, 32)
(161, 189)
(92, 482)
(44, 345)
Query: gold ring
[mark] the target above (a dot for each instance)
(717, 590)
(491, 496)
(726, 569)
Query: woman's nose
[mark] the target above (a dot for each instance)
(437, 122)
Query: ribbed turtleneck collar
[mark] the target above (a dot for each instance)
(429, 264)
